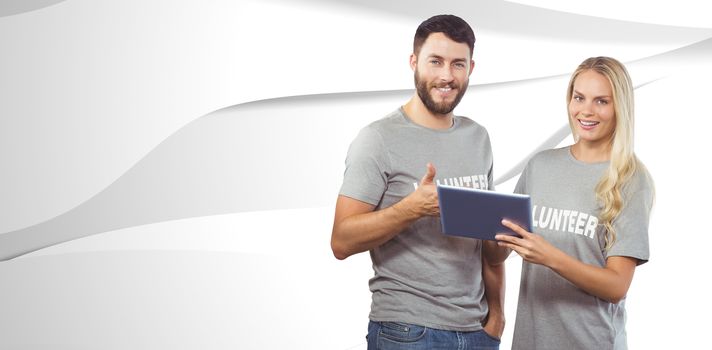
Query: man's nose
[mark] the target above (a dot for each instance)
(446, 74)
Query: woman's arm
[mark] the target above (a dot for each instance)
(610, 283)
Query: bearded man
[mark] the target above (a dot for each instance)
(429, 290)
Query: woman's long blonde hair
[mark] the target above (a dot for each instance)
(623, 162)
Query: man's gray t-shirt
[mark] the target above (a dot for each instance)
(421, 276)
(553, 313)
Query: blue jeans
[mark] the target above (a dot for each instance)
(403, 336)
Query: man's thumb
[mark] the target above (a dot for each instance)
(429, 175)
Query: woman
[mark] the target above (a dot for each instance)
(590, 205)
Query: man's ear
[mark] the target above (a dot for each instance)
(413, 61)
(472, 67)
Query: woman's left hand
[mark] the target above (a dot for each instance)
(531, 247)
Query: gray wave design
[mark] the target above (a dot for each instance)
(551, 142)
(15, 7)
(556, 138)
(514, 18)
(225, 163)
(183, 297)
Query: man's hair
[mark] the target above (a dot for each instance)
(452, 26)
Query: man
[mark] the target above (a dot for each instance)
(423, 279)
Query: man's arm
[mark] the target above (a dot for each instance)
(494, 253)
(494, 281)
(357, 228)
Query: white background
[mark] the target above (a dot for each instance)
(178, 161)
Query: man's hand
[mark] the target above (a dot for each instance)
(424, 201)
(494, 326)
(493, 278)
(357, 228)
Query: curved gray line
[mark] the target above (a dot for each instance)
(647, 83)
(693, 50)
(15, 7)
(516, 18)
(150, 190)
(103, 212)
(375, 94)
(549, 143)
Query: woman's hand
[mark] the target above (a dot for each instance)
(531, 247)
(610, 282)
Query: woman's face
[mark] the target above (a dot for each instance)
(591, 108)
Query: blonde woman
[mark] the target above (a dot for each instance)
(590, 203)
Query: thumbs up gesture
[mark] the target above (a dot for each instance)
(425, 198)
(429, 175)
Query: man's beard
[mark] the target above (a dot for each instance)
(423, 89)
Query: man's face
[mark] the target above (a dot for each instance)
(442, 69)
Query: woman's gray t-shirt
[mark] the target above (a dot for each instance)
(553, 313)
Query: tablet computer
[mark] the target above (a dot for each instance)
(478, 214)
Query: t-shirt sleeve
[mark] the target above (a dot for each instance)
(631, 227)
(367, 168)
